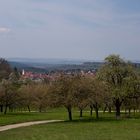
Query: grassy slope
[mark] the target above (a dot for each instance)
(59, 114)
(12, 118)
(106, 128)
(92, 130)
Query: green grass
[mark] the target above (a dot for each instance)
(87, 128)
(12, 118)
(128, 129)
(59, 114)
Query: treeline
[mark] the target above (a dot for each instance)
(116, 86)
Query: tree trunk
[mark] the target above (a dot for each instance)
(81, 113)
(28, 108)
(40, 109)
(118, 105)
(69, 113)
(91, 109)
(5, 111)
(118, 112)
(1, 108)
(97, 114)
(96, 110)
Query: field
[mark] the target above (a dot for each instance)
(12, 118)
(106, 128)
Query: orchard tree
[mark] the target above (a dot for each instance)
(107, 99)
(40, 93)
(9, 94)
(114, 72)
(132, 88)
(27, 96)
(6, 86)
(61, 93)
(2, 92)
(98, 90)
(81, 92)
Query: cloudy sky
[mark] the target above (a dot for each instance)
(77, 29)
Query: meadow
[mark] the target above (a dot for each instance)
(86, 128)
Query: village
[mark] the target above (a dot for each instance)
(40, 77)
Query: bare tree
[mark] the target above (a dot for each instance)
(97, 94)
(9, 94)
(62, 94)
(40, 94)
(27, 95)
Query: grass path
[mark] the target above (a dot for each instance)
(12, 126)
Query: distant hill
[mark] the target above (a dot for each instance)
(18, 64)
(36, 65)
(45, 66)
(27, 67)
(46, 61)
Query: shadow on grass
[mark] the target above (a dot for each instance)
(102, 119)
(20, 114)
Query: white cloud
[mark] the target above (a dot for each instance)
(4, 30)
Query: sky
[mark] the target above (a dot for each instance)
(74, 29)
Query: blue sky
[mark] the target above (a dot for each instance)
(77, 29)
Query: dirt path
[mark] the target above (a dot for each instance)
(12, 126)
